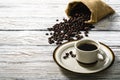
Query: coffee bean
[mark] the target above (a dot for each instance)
(47, 34)
(50, 33)
(73, 55)
(50, 29)
(65, 20)
(86, 28)
(67, 54)
(57, 20)
(50, 41)
(79, 37)
(64, 57)
(71, 52)
(58, 43)
(86, 35)
(92, 26)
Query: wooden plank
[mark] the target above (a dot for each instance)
(33, 2)
(112, 1)
(28, 10)
(52, 1)
(28, 63)
(31, 23)
(31, 8)
(32, 38)
(26, 14)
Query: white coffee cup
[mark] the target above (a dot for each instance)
(87, 51)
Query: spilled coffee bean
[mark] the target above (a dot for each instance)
(57, 20)
(50, 33)
(47, 34)
(64, 57)
(72, 55)
(67, 55)
(70, 30)
(71, 52)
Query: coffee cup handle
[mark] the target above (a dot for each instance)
(102, 53)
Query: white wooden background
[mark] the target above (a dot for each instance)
(24, 51)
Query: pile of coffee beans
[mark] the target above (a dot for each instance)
(70, 29)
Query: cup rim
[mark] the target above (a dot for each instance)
(98, 45)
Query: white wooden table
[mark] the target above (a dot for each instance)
(24, 51)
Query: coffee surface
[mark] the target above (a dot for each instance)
(87, 47)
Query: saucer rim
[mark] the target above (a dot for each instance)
(54, 52)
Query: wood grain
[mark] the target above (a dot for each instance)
(36, 62)
(24, 50)
(38, 38)
(39, 15)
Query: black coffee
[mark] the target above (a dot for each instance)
(87, 47)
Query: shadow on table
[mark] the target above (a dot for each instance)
(105, 74)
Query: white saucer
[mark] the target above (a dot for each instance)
(71, 63)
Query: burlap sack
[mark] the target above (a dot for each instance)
(98, 9)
